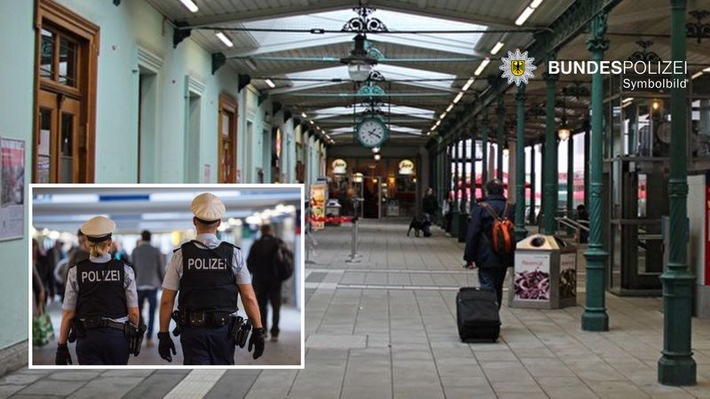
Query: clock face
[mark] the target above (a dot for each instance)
(371, 132)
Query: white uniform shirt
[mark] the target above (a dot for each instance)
(71, 293)
(173, 273)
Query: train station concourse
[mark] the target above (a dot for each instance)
(390, 117)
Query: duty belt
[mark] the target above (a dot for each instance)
(209, 319)
(90, 323)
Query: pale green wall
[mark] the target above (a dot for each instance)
(16, 83)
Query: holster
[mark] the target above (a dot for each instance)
(179, 322)
(243, 333)
(236, 331)
(77, 330)
(135, 337)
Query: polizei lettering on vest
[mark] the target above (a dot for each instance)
(205, 264)
(94, 276)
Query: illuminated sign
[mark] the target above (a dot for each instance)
(406, 167)
(339, 167)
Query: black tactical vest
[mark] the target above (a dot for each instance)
(101, 290)
(208, 282)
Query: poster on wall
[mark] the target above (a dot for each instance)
(12, 193)
(317, 206)
(532, 277)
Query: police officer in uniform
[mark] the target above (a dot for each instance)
(100, 304)
(209, 275)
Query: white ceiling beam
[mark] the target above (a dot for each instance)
(302, 87)
(406, 7)
(269, 13)
(317, 41)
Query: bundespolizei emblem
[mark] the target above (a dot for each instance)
(518, 67)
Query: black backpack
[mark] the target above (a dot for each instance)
(283, 262)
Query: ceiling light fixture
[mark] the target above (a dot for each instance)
(535, 4)
(706, 69)
(190, 5)
(304, 115)
(468, 84)
(524, 16)
(377, 157)
(697, 75)
(442, 116)
(271, 84)
(458, 97)
(221, 36)
(497, 48)
(483, 66)
(359, 62)
(449, 108)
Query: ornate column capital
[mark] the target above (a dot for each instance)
(597, 29)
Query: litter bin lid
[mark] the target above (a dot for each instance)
(541, 242)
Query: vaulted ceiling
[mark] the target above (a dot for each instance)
(428, 53)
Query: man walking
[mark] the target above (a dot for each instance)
(150, 270)
(209, 274)
(479, 252)
(266, 285)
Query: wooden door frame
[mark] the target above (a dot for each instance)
(229, 104)
(89, 33)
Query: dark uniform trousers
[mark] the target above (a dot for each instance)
(207, 346)
(102, 346)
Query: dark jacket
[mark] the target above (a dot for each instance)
(429, 204)
(260, 261)
(478, 242)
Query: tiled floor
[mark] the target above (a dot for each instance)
(384, 327)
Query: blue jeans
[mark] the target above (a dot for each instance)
(492, 277)
(152, 297)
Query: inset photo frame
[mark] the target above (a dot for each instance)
(112, 265)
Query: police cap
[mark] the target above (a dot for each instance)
(98, 228)
(207, 208)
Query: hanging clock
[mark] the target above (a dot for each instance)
(371, 132)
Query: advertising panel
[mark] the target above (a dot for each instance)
(532, 277)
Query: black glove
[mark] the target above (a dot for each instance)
(256, 341)
(165, 345)
(63, 356)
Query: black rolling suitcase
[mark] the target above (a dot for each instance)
(477, 314)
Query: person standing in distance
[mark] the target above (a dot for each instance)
(266, 285)
(478, 252)
(209, 274)
(100, 298)
(150, 271)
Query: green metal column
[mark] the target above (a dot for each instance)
(587, 148)
(532, 184)
(595, 317)
(500, 139)
(676, 366)
(463, 214)
(456, 152)
(473, 168)
(570, 178)
(520, 231)
(484, 145)
(550, 167)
